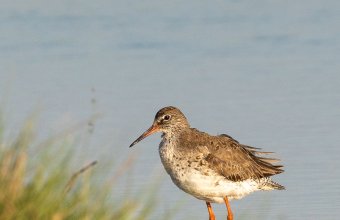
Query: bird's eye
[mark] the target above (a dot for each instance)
(166, 117)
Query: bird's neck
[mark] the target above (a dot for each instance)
(172, 134)
(169, 136)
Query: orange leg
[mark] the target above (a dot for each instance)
(230, 214)
(211, 212)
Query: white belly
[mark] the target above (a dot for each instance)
(214, 188)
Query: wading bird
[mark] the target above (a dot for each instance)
(215, 169)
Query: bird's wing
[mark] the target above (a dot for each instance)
(238, 162)
(228, 157)
(254, 150)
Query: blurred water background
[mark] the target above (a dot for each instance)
(264, 72)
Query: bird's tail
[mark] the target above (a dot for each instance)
(271, 185)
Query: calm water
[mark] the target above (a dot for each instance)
(266, 73)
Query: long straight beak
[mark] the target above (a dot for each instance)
(154, 128)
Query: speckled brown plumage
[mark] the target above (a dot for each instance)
(228, 157)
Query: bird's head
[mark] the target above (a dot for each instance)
(168, 119)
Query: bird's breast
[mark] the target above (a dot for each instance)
(167, 154)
